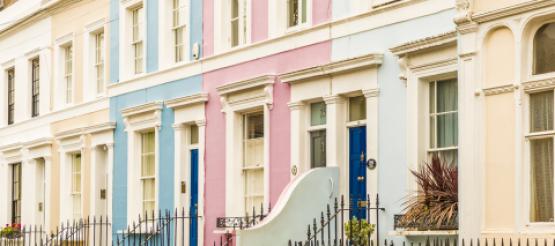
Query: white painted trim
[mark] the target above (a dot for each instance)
(187, 101)
(243, 85)
(448, 38)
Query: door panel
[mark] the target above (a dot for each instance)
(357, 172)
(193, 230)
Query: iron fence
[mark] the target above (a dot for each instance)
(16, 235)
(330, 228)
(243, 222)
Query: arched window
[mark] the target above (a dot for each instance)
(544, 49)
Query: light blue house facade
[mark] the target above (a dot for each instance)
(143, 34)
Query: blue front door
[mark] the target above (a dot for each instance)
(193, 231)
(357, 171)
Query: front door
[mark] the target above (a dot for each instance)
(357, 172)
(193, 230)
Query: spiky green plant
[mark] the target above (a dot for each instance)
(435, 204)
(357, 231)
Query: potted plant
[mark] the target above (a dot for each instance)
(358, 231)
(11, 231)
(434, 206)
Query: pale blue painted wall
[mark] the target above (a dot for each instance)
(166, 138)
(392, 166)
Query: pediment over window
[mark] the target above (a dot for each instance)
(258, 90)
(143, 116)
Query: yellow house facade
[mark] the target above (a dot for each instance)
(506, 75)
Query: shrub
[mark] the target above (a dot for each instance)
(11, 231)
(358, 230)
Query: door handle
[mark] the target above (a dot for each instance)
(360, 178)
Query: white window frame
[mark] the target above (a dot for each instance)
(152, 177)
(61, 44)
(534, 226)
(140, 119)
(93, 86)
(73, 193)
(137, 29)
(529, 66)
(245, 169)
(432, 147)
(182, 9)
(68, 69)
(259, 90)
(8, 70)
(127, 62)
(243, 25)
(310, 128)
(222, 25)
(99, 64)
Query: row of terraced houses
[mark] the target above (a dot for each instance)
(221, 107)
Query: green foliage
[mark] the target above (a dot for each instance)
(435, 204)
(358, 231)
(11, 231)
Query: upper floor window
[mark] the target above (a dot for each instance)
(544, 49)
(35, 90)
(238, 22)
(148, 173)
(179, 25)
(541, 157)
(253, 165)
(317, 132)
(444, 120)
(11, 95)
(99, 61)
(137, 16)
(68, 72)
(296, 12)
(16, 193)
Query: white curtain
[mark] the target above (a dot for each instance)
(447, 120)
(541, 180)
(541, 111)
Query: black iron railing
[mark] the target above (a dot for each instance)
(330, 229)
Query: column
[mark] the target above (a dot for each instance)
(45, 76)
(335, 122)
(298, 165)
(372, 115)
(109, 187)
(28, 184)
(4, 193)
(49, 223)
(201, 141)
(179, 165)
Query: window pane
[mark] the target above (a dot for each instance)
(318, 149)
(541, 180)
(449, 157)
(293, 12)
(194, 134)
(433, 97)
(447, 130)
(255, 125)
(541, 111)
(234, 32)
(148, 156)
(254, 189)
(446, 96)
(303, 9)
(317, 114)
(544, 49)
(357, 108)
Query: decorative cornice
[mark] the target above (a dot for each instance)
(371, 93)
(38, 143)
(333, 99)
(467, 27)
(448, 38)
(295, 105)
(144, 108)
(497, 90)
(107, 126)
(511, 10)
(370, 60)
(442, 63)
(539, 84)
(187, 100)
(246, 84)
(200, 123)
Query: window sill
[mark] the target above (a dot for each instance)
(411, 233)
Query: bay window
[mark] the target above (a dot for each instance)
(317, 133)
(443, 118)
(253, 159)
(541, 156)
(147, 177)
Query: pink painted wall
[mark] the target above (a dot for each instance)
(280, 63)
(259, 21)
(321, 11)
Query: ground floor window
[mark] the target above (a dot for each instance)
(253, 160)
(148, 176)
(541, 157)
(443, 115)
(16, 193)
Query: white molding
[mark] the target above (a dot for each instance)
(248, 84)
(95, 26)
(342, 66)
(537, 85)
(143, 108)
(512, 10)
(107, 126)
(444, 39)
(371, 93)
(497, 90)
(64, 40)
(187, 100)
